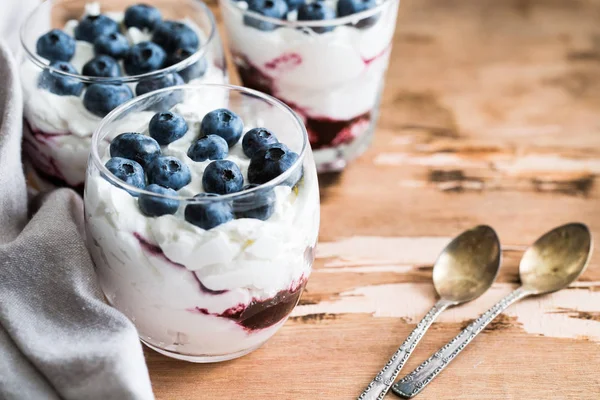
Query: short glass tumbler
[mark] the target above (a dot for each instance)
(331, 72)
(58, 124)
(204, 295)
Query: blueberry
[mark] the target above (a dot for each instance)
(222, 177)
(59, 84)
(164, 101)
(349, 7)
(150, 85)
(209, 214)
(317, 11)
(172, 35)
(127, 170)
(56, 46)
(169, 172)
(211, 147)
(100, 99)
(268, 8)
(144, 57)
(224, 123)
(142, 16)
(113, 44)
(258, 204)
(102, 66)
(270, 162)
(154, 206)
(93, 26)
(294, 4)
(194, 71)
(135, 146)
(167, 127)
(256, 139)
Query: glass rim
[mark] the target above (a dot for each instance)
(43, 63)
(348, 19)
(108, 119)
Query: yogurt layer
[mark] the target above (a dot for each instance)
(334, 75)
(333, 80)
(190, 290)
(60, 127)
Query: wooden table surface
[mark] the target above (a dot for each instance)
(491, 115)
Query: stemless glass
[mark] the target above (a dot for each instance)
(58, 129)
(331, 72)
(204, 295)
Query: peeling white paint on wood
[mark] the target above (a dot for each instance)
(552, 315)
(584, 284)
(338, 265)
(523, 164)
(369, 269)
(555, 315)
(364, 251)
(548, 163)
(401, 250)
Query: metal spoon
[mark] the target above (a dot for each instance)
(463, 271)
(552, 263)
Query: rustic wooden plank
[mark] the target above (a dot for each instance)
(333, 357)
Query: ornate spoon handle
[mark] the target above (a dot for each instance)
(416, 381)
(381, 384)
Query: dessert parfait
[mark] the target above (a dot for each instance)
(324, 58)
(202, 218)
(82, 59)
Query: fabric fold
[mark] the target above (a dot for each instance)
(58, 338)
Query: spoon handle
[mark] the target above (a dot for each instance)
(381, 384)
(416, 381)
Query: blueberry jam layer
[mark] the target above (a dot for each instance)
(323, 132)
(36, 147)
(261, 314)
(257, 315)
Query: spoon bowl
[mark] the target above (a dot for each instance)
(468, 265)
(556, 259)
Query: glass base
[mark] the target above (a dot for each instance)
(335, 159)
(202, 359)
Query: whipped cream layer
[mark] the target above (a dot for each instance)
(177, 281)
(61, 127)
(335, 75)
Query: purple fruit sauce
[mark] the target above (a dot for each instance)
(256, 315)
(323, 132)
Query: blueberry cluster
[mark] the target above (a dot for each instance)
(137, 160)
(172, 42)
(308, 10)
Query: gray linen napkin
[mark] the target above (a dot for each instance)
(58, 339)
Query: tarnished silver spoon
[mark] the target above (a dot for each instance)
(552, 263)
(464, 270)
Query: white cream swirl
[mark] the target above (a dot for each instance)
(335, 75)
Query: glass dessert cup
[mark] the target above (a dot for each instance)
(331, 72)
(58, 128)
(194, 294)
